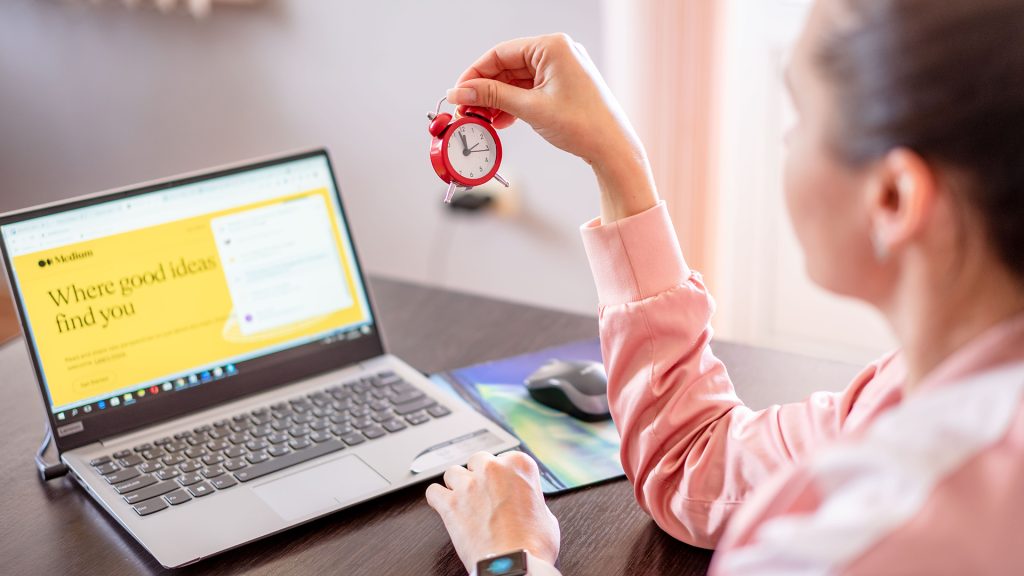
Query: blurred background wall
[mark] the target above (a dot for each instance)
(97, 96)
(94, 95)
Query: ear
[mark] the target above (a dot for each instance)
(902, 199)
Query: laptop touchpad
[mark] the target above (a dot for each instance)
(321, 488)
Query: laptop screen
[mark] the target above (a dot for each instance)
(191, 285)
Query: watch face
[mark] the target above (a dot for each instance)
(513, 564)
(472, 151)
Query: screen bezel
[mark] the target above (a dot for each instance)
(256, 375)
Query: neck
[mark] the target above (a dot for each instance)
(935, 315)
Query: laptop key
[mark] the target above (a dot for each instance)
(257, 457)
(176, 446)
(222, 482)
(201, 489)
(341, 429)
(108, 468)
(278, 450)
(417, 418)
(122, 475)
(341, 417)
(190, 466)
(288, 460)
(235, 452)
(150, 492)
(256, 445)
(99, 461)
(151, 466)
(189, 479)
(261, 431)
(211, 459)
(198, 439)
(235, 464)
(162, 441)
(179, 496)
(320, 436)
(195, 452)
(414, 406)
(277, 438)
(130, 460)
(150, 506)
(122, 453)
(212, 471)
(300, 443)
(438, 411)
(373, 431)
(394, 425)
(142, 447)
(168, 473)
(172, 459)
(353, 438)
(218, 445)
(134, 484)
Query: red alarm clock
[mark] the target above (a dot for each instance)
(466, 151)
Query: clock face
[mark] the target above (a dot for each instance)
(472, 151)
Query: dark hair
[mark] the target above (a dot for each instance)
(944, 78)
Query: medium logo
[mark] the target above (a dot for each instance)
(64, 258)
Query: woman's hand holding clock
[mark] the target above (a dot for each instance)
(552, 85)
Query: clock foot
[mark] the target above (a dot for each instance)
(450, 193)
(501, 179)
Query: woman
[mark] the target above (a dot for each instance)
(905, 185)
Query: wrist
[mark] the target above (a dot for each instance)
(626, 182)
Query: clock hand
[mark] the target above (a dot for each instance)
(465, 145)
(480, 150)
(474, 146)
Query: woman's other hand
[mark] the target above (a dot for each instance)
(495, 505)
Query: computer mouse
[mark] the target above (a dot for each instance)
(578, 388)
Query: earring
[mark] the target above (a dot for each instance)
(880, 246)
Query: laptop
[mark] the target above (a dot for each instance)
(210, 359)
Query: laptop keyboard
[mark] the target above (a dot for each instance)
(196, 463)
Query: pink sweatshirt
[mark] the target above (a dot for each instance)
(863, 481)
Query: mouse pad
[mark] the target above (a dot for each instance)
(570, 453)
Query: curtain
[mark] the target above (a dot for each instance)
(662, 61)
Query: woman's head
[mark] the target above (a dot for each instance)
(910, 139)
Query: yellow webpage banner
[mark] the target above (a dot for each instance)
(135, 307)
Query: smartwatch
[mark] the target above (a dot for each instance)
(511, 564)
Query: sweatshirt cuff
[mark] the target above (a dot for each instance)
(636, 257)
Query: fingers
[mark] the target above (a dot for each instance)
(456, 477)
(488, 93)
(479, 460)
(438, 498)
(513, 56)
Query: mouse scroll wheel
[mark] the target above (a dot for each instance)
(554, 382)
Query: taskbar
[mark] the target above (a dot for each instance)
(149, 391)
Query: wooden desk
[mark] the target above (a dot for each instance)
(57, 529)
